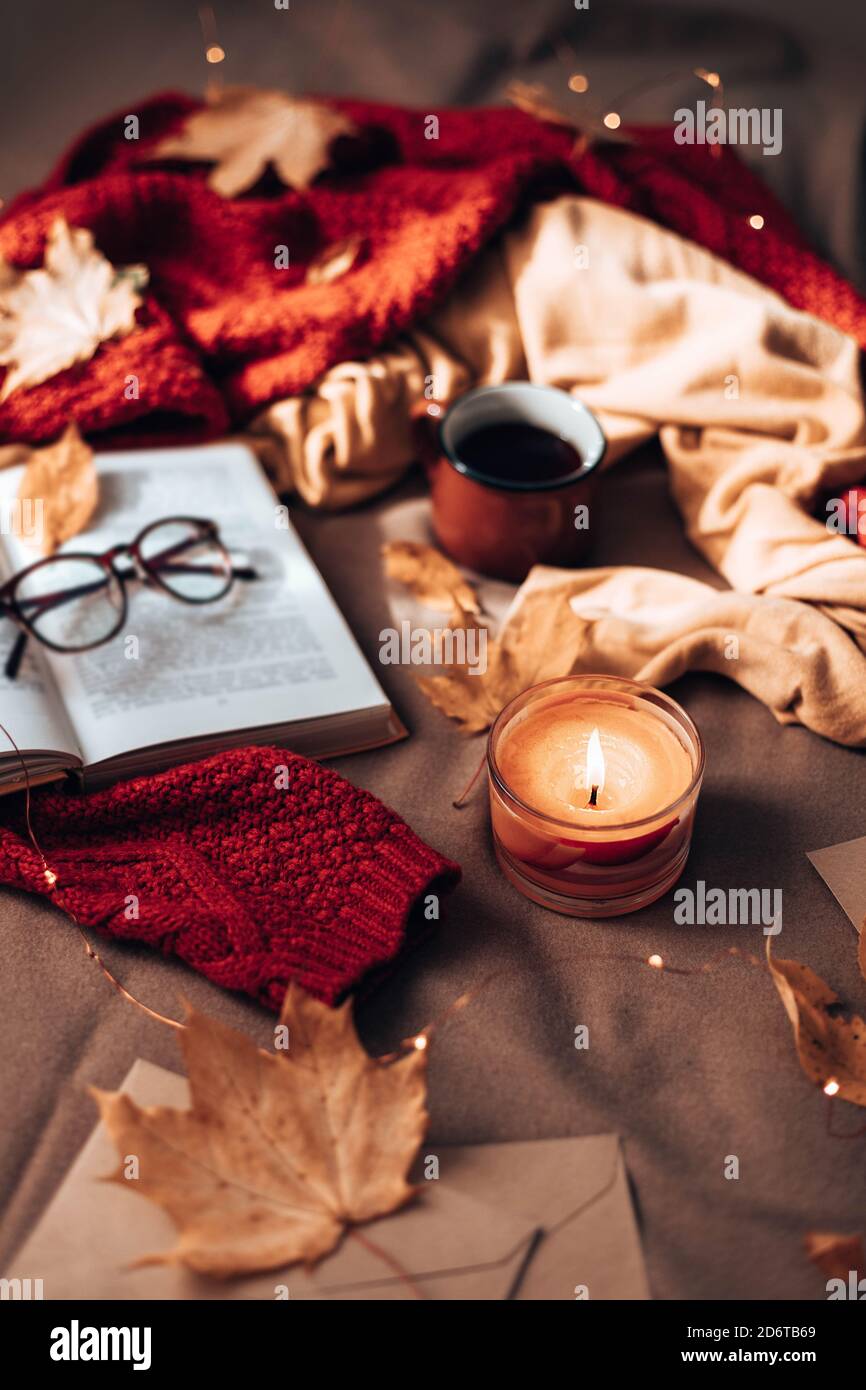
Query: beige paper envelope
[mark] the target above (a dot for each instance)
(93, 1231)
(577, 1192)
(843, 869)
(473, 1234)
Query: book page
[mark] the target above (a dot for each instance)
(29, 705)
(274, 650)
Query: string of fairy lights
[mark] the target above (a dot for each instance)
(578, 83)
(419, 1041)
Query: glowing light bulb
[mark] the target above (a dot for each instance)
(50, 877)
(612, 120)
(656, 962)
(215, 54)
(756, 221)
(420, 1042)
(578, 83)
(832, 1087)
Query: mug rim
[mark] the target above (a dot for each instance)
(466, 470)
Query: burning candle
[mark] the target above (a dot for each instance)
(594, 782)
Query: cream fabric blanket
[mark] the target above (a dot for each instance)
(758, 408)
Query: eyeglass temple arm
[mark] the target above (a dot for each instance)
(16, 655)
(159, 563)
(42, 602)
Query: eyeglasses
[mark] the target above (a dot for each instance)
(76, 600)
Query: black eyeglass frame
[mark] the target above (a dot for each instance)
(143, 570)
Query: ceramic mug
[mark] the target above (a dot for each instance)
(502, 526)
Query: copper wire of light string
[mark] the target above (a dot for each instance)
(213, 45)
(420, 1040)
(213, 49)
(568, 59)
(51, 880)
(702, 74)
(461, 799)
(835, 1133)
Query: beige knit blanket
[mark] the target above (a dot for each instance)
(758, 408)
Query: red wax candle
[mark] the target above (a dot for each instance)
(593, 785)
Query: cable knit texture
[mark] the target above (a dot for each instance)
(251, 883)
(223, 332)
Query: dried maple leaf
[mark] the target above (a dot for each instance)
(279, 1153)
(542, 637)
(243, 129)
(830, 1047)
(835, 1255)
(335, 261)
(61, 484)
(471, 696)
(56, 316)
(430, 575)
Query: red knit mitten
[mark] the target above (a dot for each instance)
(256, 867)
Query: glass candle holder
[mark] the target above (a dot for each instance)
(594, 782)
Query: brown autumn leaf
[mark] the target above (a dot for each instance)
(280, 1152)
(834, 1254)
(471, 695)
(243, 129)
(830, 1046)
(61, 486)
(542, 638)
(56, 316)
(430, 575)
(335, 261)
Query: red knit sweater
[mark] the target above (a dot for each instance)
(223, 331)
(249, 883)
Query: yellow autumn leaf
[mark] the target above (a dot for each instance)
(431, 576)
(280, 1152)
(542, 638)
(469, 694)
(56, 316)
(243, 129)
(60, 489)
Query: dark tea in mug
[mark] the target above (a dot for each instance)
(517, 452)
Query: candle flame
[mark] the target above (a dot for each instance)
(594, 776)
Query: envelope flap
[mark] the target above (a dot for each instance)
(843, 869)
(544, 1180)
(444, 1234)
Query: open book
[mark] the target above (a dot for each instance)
(272, 662)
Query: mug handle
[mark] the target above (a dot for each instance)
(424, 433)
